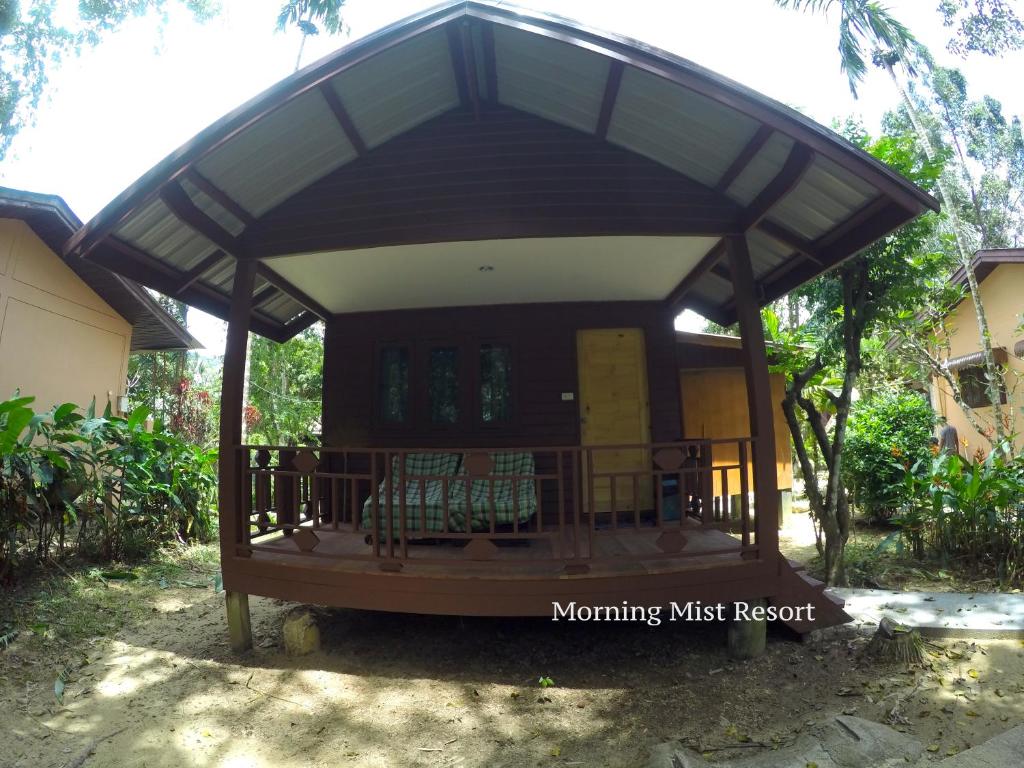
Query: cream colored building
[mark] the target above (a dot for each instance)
(1000, 276)
(67, 327)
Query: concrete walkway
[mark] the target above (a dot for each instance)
(940, 614)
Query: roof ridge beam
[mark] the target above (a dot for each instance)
(342, 116)
(300, 296)
(490, 62)
(184, 208)
(748, 153)
(460, 45)
(786, 180)
(611, 93)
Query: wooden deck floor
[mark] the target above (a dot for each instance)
(620, 552)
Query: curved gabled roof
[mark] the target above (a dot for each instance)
(475, 123)
(53, 221)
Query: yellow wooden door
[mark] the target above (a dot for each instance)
(614, 410)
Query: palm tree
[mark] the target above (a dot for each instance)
(865, 26)
(305, 14)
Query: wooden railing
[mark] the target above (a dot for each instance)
(513, 505)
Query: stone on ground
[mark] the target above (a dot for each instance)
(1002, 751)
(839, 742)
(301, 632)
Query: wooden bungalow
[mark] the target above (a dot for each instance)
(498, 215)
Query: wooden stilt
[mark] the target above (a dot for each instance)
(230, 479)
(759, 398)
(239, 624)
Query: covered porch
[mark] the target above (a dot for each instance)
(498, 216)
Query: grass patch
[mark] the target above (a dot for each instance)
(76, 604)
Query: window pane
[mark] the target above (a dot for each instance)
(444, 385)
(495, 383)
(393, 385)
(974, 387)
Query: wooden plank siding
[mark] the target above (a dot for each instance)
(543, 338)
(506, 174)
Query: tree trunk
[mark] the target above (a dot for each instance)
(994, 375)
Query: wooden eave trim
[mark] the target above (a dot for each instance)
(460, 46)
(189, 214)
(221, 197)
(748, 153)
(343, 118)
(300, 296)
(611, 92)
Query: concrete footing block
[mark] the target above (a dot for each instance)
(747, 638)
(301, 632)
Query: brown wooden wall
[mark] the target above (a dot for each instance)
(543, 337)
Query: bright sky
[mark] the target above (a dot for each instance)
(119, 109)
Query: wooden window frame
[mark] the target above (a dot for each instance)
(421, 415)
(979, 387)
(477, 404)
(378, 420)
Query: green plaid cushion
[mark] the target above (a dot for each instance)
(424, 493)
(512, 499)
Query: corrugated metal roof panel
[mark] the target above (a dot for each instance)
(400, 88)
(677, 127)
(284, 152)
(560, 82)
(160, 233)
(712, 290)
(825, 197)
(765, 253)
(212, 208)
(761, 169)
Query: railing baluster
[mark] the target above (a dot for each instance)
(744, 495)
(707, 485)
(245, 527)
(402, 481)
(636, 501)
(561, 502)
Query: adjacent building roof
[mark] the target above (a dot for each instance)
(985, 261)
(479, 154)
(153, 329)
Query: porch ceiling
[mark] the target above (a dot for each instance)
(477, 123)
(495, 272)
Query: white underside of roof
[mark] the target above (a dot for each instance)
(524, 271)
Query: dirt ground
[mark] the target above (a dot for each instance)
(395, 690)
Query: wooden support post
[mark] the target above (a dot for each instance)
(239, 626)
(759, 399)
(747, 633)
(230, 485)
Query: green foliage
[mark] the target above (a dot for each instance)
(885, 433)
(986, 26)
(36, 35)
(305, 14)
(967, 515)
(285, 389)
(114, 487)
(864, 25)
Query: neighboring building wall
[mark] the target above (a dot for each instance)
(59, 341)
(1001, 296)
(715, 406)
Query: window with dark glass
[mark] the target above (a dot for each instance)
(974, 387)
(393, 385)
(443, 384)
(495, 383)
